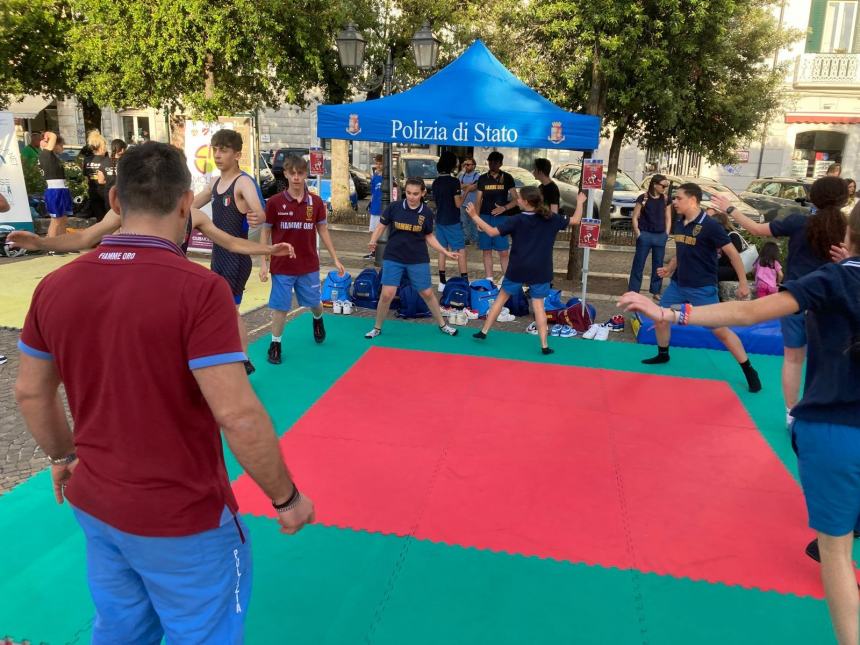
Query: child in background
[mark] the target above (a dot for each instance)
(374, 208)
(767, 270)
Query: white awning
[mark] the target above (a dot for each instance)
(29, 107)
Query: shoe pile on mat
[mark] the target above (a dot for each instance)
(561, 331)
(342, 307)
(461, 316)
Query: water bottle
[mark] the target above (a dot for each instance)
(334, 294)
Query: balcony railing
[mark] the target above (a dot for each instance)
(827, 70)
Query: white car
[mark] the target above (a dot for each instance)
(623, 199)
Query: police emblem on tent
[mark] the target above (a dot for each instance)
(353, 128)
(555, 132)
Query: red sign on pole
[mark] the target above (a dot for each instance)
(592, 174)
(317, 163)
(589, 233)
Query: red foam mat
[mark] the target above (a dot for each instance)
(658, 474)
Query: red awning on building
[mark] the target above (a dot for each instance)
(822, 118)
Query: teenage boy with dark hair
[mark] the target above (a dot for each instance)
(448, 230)
(497, 194)
(295, 216)
(151, 386)
(548, 188)
(694, 273)
(374, 208)
(410, 230)
(235, 205)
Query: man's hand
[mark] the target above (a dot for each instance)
(498, 210)
(282, 248)
(721, 202)
(471, 211)
(452, 256)
(25, 240)
(371, 246)
(60, 476)
(663, 272)
(293, 520)
(264, 271)
(340, 269)
(838, 252)
(255, 218)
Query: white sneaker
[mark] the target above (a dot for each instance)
(532, 329)
(591, 332)
(446, 311)
(440, 288)
(447, 329)
(373, 333)
(506, 317)
(337, 307)
(602, 332)
(462, 318)
(470, 314)
(505, 310)
(346, 307)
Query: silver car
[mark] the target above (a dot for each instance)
(623, 198)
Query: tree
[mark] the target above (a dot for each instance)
(202, 58)
(690, 73)
(33, 49)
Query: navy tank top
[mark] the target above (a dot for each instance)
(233, 267)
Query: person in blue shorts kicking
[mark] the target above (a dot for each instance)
(449, 231)
(694, 273)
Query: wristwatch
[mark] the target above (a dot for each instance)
(64, 461)
(730, 209)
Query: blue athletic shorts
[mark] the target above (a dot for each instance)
(498, 243)
(306, 286)
(192, 589)
(537, 290)
(793, 330)
(451, 236)
(675, 295)
(419, 274)
(828, 458)
(58, 202)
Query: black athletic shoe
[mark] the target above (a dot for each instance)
(249, 368)
(274, 356)
(319, 330)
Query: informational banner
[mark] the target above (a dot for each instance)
(201, 162)
(592, 174)
(12, 186)
(589, 233)
(317, 162)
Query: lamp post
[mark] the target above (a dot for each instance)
(351, 47)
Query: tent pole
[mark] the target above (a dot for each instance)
(589, 206)
(388, 70)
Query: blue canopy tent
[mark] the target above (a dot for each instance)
(474, 101)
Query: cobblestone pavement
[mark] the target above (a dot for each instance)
(20, 457)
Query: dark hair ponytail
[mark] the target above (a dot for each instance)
(532, 196)
(827, 226)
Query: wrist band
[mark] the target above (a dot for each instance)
(730, 209)
(684, 313)
(64, 461)
(294, 499)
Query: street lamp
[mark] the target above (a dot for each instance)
(425, 48)
(350, 49)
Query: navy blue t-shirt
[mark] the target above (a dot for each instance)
(801, 258)
(696, 246)
(444, 189)
(407, 229)
(652, 215)
(831, 296)
(532, 239)
(495, 190)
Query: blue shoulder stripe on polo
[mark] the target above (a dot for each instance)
(217, 359)
(35, 353)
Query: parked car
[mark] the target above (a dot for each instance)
(522, 177)
(415, 165)
(360, 180)
(778, 197)
(268, 183)
(709, 187)
(623, 198)
(322, 186)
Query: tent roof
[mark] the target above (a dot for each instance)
(474, 101)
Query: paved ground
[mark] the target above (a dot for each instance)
(20, 458)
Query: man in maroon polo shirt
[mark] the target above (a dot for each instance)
(148, 388)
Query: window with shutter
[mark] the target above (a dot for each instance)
(817, 15)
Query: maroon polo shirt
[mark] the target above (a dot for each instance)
(295, 221)
(125, 325)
